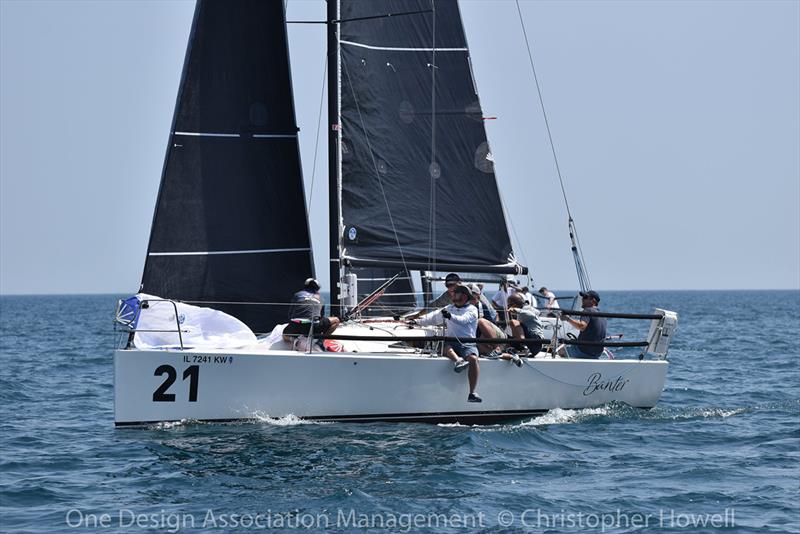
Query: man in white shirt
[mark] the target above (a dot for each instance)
(550, 298)
(500, 298)
(527, 296)
(461, 321)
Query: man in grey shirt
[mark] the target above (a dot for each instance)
(525, 322)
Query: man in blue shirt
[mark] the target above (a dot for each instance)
(593, 329)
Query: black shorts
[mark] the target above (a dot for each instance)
(534, 346)
(301, 327)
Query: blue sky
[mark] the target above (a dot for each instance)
(677, 126)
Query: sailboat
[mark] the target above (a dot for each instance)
(412, 194)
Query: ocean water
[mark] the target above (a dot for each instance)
(722, 448)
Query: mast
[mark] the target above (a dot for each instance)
(334, 132)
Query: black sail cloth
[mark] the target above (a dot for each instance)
(408, 197)
(230, 223)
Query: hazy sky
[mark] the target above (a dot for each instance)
(677, 126)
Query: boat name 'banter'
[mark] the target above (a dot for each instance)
(596, 383)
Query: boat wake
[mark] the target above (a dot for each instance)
(166, 425)
(255, 417)
(610, 413)
(616, 412)
(558, 416)
(624, 413)
(703, 413)
(286, 420)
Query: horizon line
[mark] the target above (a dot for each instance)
(100, 293)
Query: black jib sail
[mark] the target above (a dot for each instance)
(418, 188)
(230, 225)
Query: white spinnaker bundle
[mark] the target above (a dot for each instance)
(200, 327)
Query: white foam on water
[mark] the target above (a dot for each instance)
(286, 420)
(170, 424)
(711, 413)
(556, 416)
(559, 416)
(452, 425)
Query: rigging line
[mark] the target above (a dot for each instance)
(583, 261)
(580, 262)
(316, 142)
(544, 113)
(431, 167)
(374, 164)
(624, 372)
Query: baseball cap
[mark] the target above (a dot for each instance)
(312, 284)
(450, 278)
(462, 289)
(591, 294)
(474, 289)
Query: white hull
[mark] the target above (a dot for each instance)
(240, 384)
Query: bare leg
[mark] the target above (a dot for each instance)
(451, 354)
(487, 330)
(516, 329)
(335, 321)
(513, 324)
(517, 332)
(474, 371)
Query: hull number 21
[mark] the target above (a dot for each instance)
(192, 373)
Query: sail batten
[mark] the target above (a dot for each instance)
(404, 49)
(218, 134)
(224, 252)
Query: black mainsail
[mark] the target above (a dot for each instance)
(417, 181)
(230, 224)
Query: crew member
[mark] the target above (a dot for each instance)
(461, 320)
(525, 323)
(305, 313)
(592, 328)
(487, 329)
